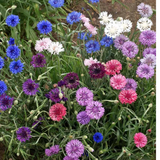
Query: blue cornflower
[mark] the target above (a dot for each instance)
(13, 52)
(11, 41)
(73, 17)
(92, 46)
(97, 137)
(44, 27)
(56, 3)
(16, 67)
(106, 41)
(94, 1)
(12, 20)
(1, 63)
(3, 87)
(84, 36)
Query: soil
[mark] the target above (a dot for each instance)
(117, 10)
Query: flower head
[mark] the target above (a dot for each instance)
(94, 1)
(74, 148)
(73, 17)
(69, 158)
(84, 96)
(3, 87)
(140, 140)
(90, 61)
(57, 112)
(113, 66)
(55, 48)
(42, 44)
(61, 83)
(106, 41)
(92, 46)
(144, 24)
(95, 110)
(12, 20)
(145, 71)
(144, 10)
(83, 118)
(105, 18)
(149, 51)
(97, 70)
(150, 60)
(16, 67)
(1, 63)
(23, 134)
(131, 84)
(38, 60)
(5, 102)
(44, 27)
(30, 87)
(71, 80)
(13, 52)
(118, 81)
(84, 36)
(84, 19)
(130, 49)
(126, 25)
(98, 137)
(11, 41)
(56, 3)
(127, 96)
(91, 28)
(53, 150)
(147, 37)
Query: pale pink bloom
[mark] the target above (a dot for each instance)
(140, 140)
(91, 28)
(42, 44)
(84, 18)
(90, 61)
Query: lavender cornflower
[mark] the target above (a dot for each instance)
(131, 84)
(83, 118)
(23, 134)
(53, 150)
(147, 37)
(95, 110)
(130, 49)
(145, 71)
(149, 51)
(150, 60)
(38, 60)
(144, 10)
(69, 158)
(84, 96)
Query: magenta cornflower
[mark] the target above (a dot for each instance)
(95, 110)
(38, 60)
(84, 96)
(83, 118)
(23, 134)
(140, 140)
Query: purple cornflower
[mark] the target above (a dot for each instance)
(95, 110)
(119, 41)
(97, 70)
(30, 87)
(149, 51)
(38, 60)
(74, 148)
(150, 60)
(84, 96)
(130, 49)
(83, 118)
(148, 37)
(61, 83)
(131, 84)
(37, 122)
(71, 80)
(5, 102)
(23, 134)
(144, 10)
(54, 95)
(69, 158)
(145, 71)
(53, 150)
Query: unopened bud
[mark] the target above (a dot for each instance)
(82, 75)
(91, 149)
(128, 59)
(113, 123)
(150, 105)
(129, 154)
(32, 111)
(1, 139)
(78, 55)
(138, 57)
(137, 76)
(119, 19)
(85, 137)
(0, 13)
(35, 118)
(18, 154)
(47, 145)
(15, 102)
(31, 74)
(28, 101)
(149, 130)
(30, 41)
(55, 85)
(116, 101)
(14, 7)
(70, 136)
(153, 93)
(76, 112)
(60, 95)
(119, 118)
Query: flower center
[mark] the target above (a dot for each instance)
(31, 87)
(44, 27)
(5, 102)
(24, 134)
(145, 70)
(112, 30)
(96, 71)
(38, 60)
(128, 96)
(16, 66)
(105, 18)
(95, 109)
(72, 80)
(130, 48)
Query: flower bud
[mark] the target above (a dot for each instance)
(6, 81)
(82, 75)
(91, 149)
(14, 7)
(62, 102)
(0, 13)
(15, 102)
(119, 19)
(60, 95)
(28, 101)
(153, 93)
(47, 145)
(71, 137)
(150, 105)
(30, 41)
(119, 118)
(128, 59)
(55, 85)
(35, 118)
(75, 112)
(129, 154)
(78, 55)
(149, 130)
(85, 137)
(1, 139)
(113, 123)
(32, 111)
(138, 57)
(18, 154)
(116, 101)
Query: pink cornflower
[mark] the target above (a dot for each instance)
(91, 28)
(84, 18)
(42, 44)
(57, 112)
(90, 61)
(113, 66)
(127, 96)
(140, 140)
(118, 81)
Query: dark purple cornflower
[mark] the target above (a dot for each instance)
(131, 84)
(37, 122)
(83, 118)
(61, 83)
(5, 102)
(71, 80)
(97, 70)
(38, 60)
(30, 87)
(23, 134)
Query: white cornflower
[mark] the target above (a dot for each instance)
(127, 25)
(150, 60)
(113, 29)
(55, 48)
(105, 18)
(144, 24)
